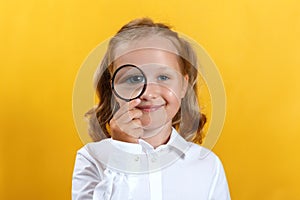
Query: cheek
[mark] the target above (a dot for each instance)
(173, 101)
(173, 93)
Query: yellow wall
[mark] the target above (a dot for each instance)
(255, 44)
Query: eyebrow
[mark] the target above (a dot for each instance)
(163, 69)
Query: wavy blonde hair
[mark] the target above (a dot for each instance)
(188, 121)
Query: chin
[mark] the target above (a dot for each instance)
(152, 130)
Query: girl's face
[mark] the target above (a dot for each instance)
(166, 86)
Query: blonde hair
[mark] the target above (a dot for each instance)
(188, 121)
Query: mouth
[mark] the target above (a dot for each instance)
(149, 108)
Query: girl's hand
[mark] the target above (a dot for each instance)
(125, 125)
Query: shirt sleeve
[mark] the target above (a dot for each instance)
(85, 177)
(219, 188)
(92, 181)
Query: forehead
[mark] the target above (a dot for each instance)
(147, 42)
(151, 49)
(149, 56)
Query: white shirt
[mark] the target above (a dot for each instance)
(178, 170)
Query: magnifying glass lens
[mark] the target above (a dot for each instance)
(129, 82)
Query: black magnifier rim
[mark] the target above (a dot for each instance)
(113, 84)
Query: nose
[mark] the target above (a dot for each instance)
(152, 91)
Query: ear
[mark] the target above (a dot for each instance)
(185, 84)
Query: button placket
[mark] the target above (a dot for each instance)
(137, 158)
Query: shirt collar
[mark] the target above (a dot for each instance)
(176, 142)
(132, 158)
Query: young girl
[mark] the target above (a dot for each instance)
(145, 152)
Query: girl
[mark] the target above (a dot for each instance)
(148, 153)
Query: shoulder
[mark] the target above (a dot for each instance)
(89, 157)
(206, 164)
(88, 153)
(194, 154)
(94, 147)
(201, 151)
(200, 154)
(210, 168)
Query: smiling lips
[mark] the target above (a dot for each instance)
(149, 108)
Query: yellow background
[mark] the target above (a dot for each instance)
(254, 43)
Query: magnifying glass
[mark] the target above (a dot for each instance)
(129, 82)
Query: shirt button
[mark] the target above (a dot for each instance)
(153, 159)
(136, 158)
(163, 150)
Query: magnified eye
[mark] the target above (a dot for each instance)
(135, 79)
(163, 78)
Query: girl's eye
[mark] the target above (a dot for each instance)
(163, 78)
(135, 79)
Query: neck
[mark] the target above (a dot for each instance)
(161, 137)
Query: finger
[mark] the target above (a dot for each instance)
(133, 129)
(129, 116)
(126, 107)
(127, 121)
